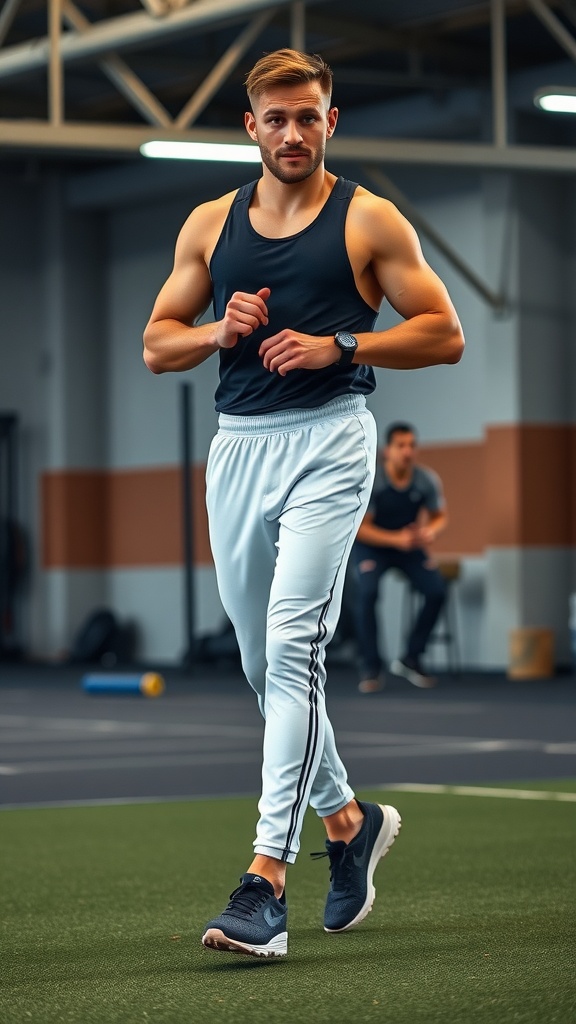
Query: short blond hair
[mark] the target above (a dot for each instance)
(288, 67)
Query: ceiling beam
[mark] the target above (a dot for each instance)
(498, 61)
(385, 187)
(121, 75)
(555, 27)
(7, 17)
(55, 73)
(132, 30)
(298, 25)
(121, 140)
(157, 8)
(222, 70)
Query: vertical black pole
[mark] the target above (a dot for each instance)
(187, 411)
(8, 535)
(14, 538)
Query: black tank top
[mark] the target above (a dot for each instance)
(312, 290)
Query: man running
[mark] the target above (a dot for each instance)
(296, 265)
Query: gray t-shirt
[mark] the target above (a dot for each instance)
(394, 508)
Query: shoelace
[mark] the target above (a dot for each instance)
(246, 900)
(340, 866)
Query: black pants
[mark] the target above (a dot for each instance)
(370, 564)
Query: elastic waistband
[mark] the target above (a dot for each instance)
(290, 419)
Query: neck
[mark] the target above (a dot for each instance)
(286, 198)
(399, 474)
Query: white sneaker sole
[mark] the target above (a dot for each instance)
(214, 938)
(424, 682)
(391, 825)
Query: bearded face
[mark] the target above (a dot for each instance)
(291, 125)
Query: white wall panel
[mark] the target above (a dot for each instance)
(445, 403)
(500, 342)
(144, 407)
(526, 587)
(86, 400)
(66, 598)
(153, 599)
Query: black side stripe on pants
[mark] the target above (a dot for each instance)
(312, 737)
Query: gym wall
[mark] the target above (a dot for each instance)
(100, 435)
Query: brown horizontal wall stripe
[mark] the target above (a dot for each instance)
(501, 486)
(74, 517)
(461, 470)
(516, 488)
(121, 518)
(529, 484)
(545, 485)
(144, 518)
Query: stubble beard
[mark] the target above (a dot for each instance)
(290, 175)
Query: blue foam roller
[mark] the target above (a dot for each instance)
(148, 685)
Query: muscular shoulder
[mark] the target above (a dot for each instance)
(378, 222)
(202, 229)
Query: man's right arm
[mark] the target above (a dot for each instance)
(378, 537)
(172, 342)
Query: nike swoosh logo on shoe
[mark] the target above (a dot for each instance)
(272, 915)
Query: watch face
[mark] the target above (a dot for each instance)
(345, 340)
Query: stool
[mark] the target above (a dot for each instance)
(445, 631)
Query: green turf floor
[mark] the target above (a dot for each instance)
(103, 907)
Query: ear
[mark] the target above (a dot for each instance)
(250, 125)
(332, 120)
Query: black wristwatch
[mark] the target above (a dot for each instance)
(347, 344)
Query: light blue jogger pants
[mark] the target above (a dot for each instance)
(286, 493)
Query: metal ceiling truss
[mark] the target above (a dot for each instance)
(166, 20)
(7, 17)
(554, 26)
(118, 72)
(130, 30)
(386, 188)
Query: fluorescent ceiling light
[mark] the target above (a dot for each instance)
(554, 99)
(201, 151)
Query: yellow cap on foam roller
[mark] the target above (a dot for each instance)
(152, 684)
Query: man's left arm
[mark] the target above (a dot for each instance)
(435, 524)
(388, 262)
(430, 332)
(435, 511)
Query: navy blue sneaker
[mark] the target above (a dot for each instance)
(254, 921)
(352, 867)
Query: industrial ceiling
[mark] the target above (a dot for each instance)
(86, 78)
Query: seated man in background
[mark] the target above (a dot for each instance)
(407, 511)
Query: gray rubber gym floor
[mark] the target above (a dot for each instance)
(202, 737)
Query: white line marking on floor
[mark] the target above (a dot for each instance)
(404, 787)
(107, 726)
(514, 794)
(429, 747)
(123, 801)
(409, 746)
(140, 761)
